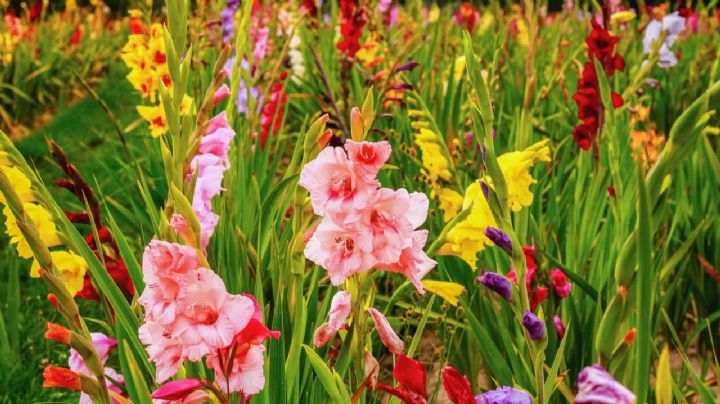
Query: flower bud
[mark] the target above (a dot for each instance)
(58, 333)
(559, 326)
(497, 283)
(387, 335)
(356, 125)
(177, 389)
(500, 238)
(61, 377)
(534, 326)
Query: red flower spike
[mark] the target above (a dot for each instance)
(456, 386)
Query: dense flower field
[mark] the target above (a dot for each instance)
(359, 201)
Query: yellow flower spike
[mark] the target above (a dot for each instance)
(459, 68)
(663, 381)
(516, 170)
(449, 291)
(69, 265)
(622, 17)
(42, 220)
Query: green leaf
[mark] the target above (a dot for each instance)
(324, 374)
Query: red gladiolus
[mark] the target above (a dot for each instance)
(410, 375)
(354, 19)
(601, 46)
(560, 283)
(61, 377)
(537, 296)
(53, 300)
(468, 15)
(76, 36)
(58, 333)
(272, 111)
(456, 386)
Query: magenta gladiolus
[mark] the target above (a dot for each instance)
(177, 389)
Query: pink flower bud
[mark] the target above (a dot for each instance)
(177, 389)
(387, 335)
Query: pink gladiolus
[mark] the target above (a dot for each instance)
(341, 251)
(165, 268)
(164, 351)
(180, 225)
(368, 157)
(196, 397)
(221, 93)
(387, 335)
(209, 317)
(177, 389)
(246, 373)
(339, 312)
(413, 262)
(392, 216)
(335, 186)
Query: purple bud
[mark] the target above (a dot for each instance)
(595, 385)
(534, 326)
(504, 395)
(497, 283)
(485, 190)
(407, 66)
(401, 86)
(559, 326)
(499, 237)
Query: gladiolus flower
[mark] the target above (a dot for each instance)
(339, 312)
(449, 291)
(43, 221)
(177, 389)
(58, 333)
(387, 335)
(221, 93)
(504, 395)
(498, 284)
(534, 326)
(560, 283)
(456, 386)
(368, 157)
(595, 385)
(61, 377)
(411, 377)
(674, 24)
(71, 267)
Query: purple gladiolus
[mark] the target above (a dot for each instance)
(407, 66)
(227, 19)
(534, 326)
(503, 395)
(499, 237)
(595, 385)
(497, 283)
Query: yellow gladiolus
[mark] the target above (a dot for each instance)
(71, 267)
(449, 291)
(516, 170)
(21, 184)
(622, 16)
(42, 220)
(450, 202)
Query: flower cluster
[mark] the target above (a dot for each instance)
(69, 265)
(364, 226)
(468, 237)
(674, 24)
(209, 166)
(354, 19)
(190, 315)
(271, 117)
(144, 54)
(601, 46)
